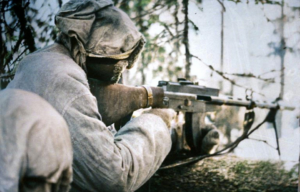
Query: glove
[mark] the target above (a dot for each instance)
(167, 115)
(211, 139)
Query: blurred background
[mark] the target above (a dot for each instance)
(233, 45)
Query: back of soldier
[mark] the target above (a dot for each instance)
(35, 146)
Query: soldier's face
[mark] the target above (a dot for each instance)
(105, 69)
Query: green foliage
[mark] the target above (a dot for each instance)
(23, 30)
(147, 14)
(240, 168)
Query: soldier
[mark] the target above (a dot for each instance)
(35, 145)
(96, 40)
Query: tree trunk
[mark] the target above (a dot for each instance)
(282, 51)
(188, 64)
(1, 52)
(177, 45)
(282, 55)
(222, 47)
(142, 30)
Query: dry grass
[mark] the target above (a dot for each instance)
(227, 173)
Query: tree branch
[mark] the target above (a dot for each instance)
(222, 4)
(20, 13)
(226, 78)
(251, 75)
(264, 141)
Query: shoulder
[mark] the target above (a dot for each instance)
(54, 60)
(53, 75)
(51, 63)
(29, 106)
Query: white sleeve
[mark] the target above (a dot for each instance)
(114, 163)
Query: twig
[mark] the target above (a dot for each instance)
(224, 77)
(264, 141)
(168, 29)
(251, 75)
(148, 12)
(222, 4)
(21, 54)
(272, 71)
(7, 75)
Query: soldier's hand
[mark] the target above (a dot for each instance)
(167, 115)
(211, 139)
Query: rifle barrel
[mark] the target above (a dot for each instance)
(243, 103)
(214, 100)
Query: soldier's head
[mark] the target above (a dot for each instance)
(100, 37)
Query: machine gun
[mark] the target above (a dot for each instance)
(117, 102)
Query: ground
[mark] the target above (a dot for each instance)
(227, 173)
